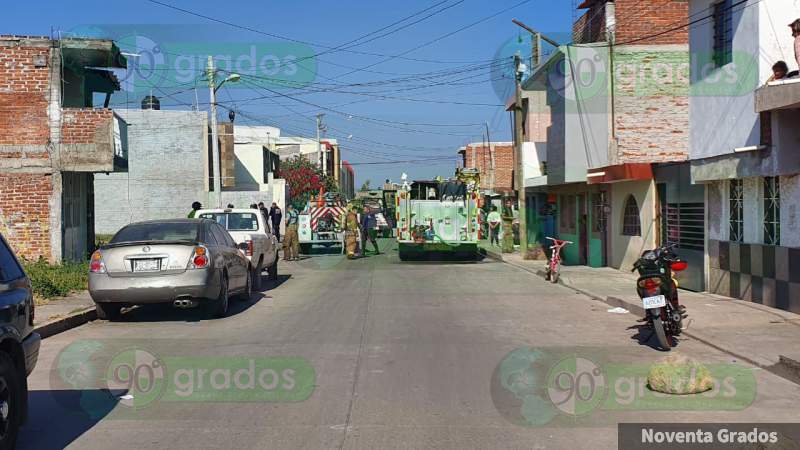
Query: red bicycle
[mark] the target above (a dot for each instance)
(555, 259)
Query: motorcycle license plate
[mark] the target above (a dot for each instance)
(658, 301)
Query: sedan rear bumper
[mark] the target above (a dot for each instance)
(162, 288)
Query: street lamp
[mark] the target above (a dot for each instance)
(213, 88)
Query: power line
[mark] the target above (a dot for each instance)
(287, 38)
(444, 36)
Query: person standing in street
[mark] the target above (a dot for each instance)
(196, 206)
(264, 213)
(351, 232)
(508, 227)
(291, 246)
(369, 229)
(494, 226)
(795, 26)
(275, 216)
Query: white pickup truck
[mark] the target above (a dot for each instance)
(249, 229)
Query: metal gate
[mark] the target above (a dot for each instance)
(682, 220)
(77, 215)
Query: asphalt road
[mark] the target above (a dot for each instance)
(405, 355)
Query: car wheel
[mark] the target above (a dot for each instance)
(255, 276)
(108, 311)
(219, 307)
(272, 270)
(248, 288)
(12, 391)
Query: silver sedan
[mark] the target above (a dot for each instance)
(186, 262)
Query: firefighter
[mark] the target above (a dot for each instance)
(351, 233)
(508, 227)
(291, 246)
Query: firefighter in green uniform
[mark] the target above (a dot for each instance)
(508, 227)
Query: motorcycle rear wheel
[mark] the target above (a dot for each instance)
(661, 334)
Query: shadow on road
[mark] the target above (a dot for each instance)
(323, 250)
(646, 337)
(448, 257)
(165, 312)
(268, 285)
(76, 411)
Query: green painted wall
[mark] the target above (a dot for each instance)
(571, 253)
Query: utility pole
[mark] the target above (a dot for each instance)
(212, 92)
(319, 145)
(518, 166)
(536, 43)
(474, 156)
(491, 155)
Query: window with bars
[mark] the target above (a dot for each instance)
(736, 211)
(683, 224)
(599, 212)
(772, 211)
(631, 222)
(723, 33)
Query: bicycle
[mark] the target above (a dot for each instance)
(555, 259)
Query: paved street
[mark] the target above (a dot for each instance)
(404, 355)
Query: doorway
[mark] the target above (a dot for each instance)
(77, 215)
(583, 230)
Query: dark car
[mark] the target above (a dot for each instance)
(185, 262)
(19, 345)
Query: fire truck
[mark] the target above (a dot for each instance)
(322, 222)
(439, 216)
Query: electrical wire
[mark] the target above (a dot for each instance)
(287, 38)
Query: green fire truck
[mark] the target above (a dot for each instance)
(438, 216)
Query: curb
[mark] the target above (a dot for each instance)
(493, 255)
(786, 367)
(69, 322)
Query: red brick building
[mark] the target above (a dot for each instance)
(52, 139)
(616, 144)
(484, 157)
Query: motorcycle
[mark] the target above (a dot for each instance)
(658, 289)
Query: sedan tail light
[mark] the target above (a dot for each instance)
(199, 258)
(96, 264)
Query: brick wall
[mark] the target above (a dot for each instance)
(23, 96)
(652, 103)
(635, 19)
(504, 165)
(591, 26)
(81, 125)
(25, 213)
(165, 170)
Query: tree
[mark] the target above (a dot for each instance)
(304, 179)
(366, 186)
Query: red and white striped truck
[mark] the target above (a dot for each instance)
(322, 222)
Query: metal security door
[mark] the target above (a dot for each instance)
(75, 215)
(682, 221)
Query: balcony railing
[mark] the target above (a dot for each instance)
(782, 94)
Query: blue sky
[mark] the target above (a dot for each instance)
(376, 122)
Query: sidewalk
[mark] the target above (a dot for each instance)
(765, 337)
(64, 313)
